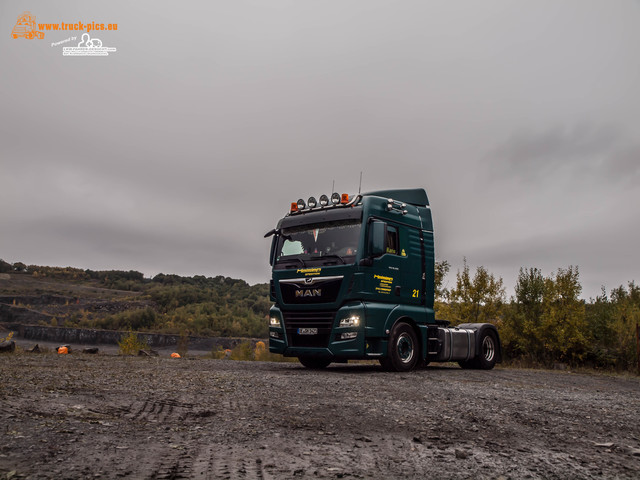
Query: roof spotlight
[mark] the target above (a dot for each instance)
(324, 200)
(301, 204)
(312, 202)
(335, 198)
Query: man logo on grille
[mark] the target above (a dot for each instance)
(315, 292)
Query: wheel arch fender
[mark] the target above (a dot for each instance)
(480, 328)
(396, 316)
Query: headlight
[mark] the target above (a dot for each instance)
(352, 321)
(274, 322)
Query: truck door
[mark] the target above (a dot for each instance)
(391, 276)
(411, 252)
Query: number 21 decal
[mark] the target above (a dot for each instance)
(416, 293)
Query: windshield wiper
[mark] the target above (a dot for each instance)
(295, 259)
(322, 257)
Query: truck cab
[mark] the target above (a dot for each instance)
(353, 278)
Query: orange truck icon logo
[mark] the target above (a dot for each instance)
(26, 27)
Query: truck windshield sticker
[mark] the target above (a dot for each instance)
(385, 284)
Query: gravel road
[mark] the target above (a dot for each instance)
(81, 416)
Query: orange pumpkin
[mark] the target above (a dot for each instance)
(175, 355)
(63, 350)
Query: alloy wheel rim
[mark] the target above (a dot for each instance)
(488, 348)
(405, 348)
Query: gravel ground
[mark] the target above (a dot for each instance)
(81, 416)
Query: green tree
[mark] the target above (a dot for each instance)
(599, 315)
(4, 266)
(477, 299)
(19, 267)
(523, 317)
(441, 293)
(625, 318)
(562, 329)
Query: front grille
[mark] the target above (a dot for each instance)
(322, 320)
(310, 289)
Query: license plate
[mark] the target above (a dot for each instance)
(307, 331)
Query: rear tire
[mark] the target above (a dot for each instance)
(488, 354)
(315, 363)
(403, 353)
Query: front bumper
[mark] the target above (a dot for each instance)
(292, 337)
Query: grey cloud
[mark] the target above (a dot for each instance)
(599, 257)
(624, 164)
(582, 147)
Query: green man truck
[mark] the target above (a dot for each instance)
(353, 278)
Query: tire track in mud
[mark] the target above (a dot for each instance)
(230, 462)
(162, 411)
(212, 462)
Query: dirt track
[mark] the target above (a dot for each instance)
(111, 417)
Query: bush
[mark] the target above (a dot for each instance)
(130, 344)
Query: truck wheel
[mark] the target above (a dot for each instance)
(404, 352)
(315, 363)
(487, 356)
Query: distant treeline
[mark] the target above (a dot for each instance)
(543, 323)
(203, 306)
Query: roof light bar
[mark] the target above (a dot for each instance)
(336, 200)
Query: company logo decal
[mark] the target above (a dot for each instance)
(315, 292)
(309, 271)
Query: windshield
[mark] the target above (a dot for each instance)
(334, 243)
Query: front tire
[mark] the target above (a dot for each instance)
(315, 363)
(403, 353)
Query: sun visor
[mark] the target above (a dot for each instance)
(321, 216)
(411, 196)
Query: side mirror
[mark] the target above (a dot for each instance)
(274, 243)
(377, 238)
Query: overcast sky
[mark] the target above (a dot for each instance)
(177, 152)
